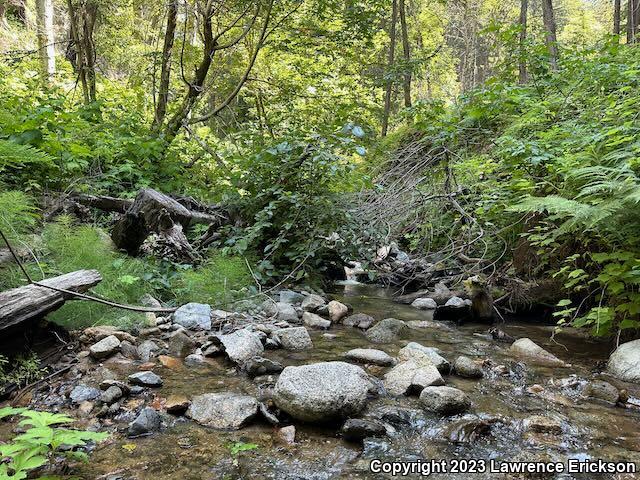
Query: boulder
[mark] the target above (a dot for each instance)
(285, 312)
(312, 302)
(601, 390)
(224, 411)
(261, 366)
(411, 376)
(105, 347)
(240, 345)
(322, 391)
(415, 351)
(289, 296)
(145, 379)
(147, 421)
(371, 356)
(444, 400)
(624, 363)
(454, 309)
(180, 344)
(195, 359)
(294, 338)
(337, 311)
(386, 331)
(359, 320)
(526, 349)
(424, 303)
(465, 367)
(356, 429)
(315, 321)
(83, 393)
(193, 316)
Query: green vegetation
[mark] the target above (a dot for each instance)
(41, 444)
(21, 370)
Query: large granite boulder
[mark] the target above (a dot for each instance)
(294, 338)
(531, 352)
(240, 345)
(624, 363)
(224, 411)
(386, 330)
(412, 376)
(193, 316)
(416, 351)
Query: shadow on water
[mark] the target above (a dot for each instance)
(492, 431)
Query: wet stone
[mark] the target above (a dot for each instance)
(193, 316)
(225, 411)
(359, 320)
(356, 429)
(601, 390)
(370, 355)
(465, 367)
(105, 347)
(82, 393)
(147, 421)
(444, 400)
(145, 379)
(261, 366)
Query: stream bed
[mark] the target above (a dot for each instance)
(509, 392)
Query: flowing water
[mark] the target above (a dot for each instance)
(492, 430)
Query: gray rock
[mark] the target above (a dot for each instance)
(271, 344)
(180, 344)
(105, 384)
(541, 424)
(356, 429)
(456, 302)
(624, 363)
(111, 394)
(313, 302)
(444, 400)
(286, 312)
(261, 366)
(322, 391)
(415, 351)
(289, 296)
(337, 311)
(82, 393)
(315, 321)
(224, 411)
(386, 331)
(145, 379)
(148, 301)
(195, 360)
(424, 303)
(412, 376)
(287, 435)
(465, 367)
(105, 347)
(129, 350)
(295, 338)
(370, 355)
(530, 351)
(241, 345)
(359, 320)
(147, 350)
(193, 316)
(147, 421)
(601, 390)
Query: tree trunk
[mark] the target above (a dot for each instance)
(633, 19)
(548, 17)
(616, 17)
(82, 20)
(522, 63)
(165, 71)
(46, 40)
(407, 54)
(390, 62)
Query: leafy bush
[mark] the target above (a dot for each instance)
(42, 441)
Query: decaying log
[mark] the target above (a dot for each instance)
(32, 301)
(103, 202)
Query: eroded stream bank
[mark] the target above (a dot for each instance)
(519, 411)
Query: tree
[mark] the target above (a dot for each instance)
(616, 17)
(82, 22)
(391, 59)
(165, 69)
(549, 20)
(45, 35)
(522, 63)
(407, 54)
(633, 19)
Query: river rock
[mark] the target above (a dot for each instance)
(145, 379)
(358, 320)
(454, 309)
(111, 394)
(370, 355)
(97, 333)
(315, 321)
(180, 344)
(313, 302)
(416, 351)
(541, 424)
(294, 338)
(177, 404)
(129, 350)
(287, 435)
(444, 400)
(465, 367)
(412, 375)
(624, 363)
(147, 421)
(193, 316)
(601, 390)
(241, 345)
(224, 411)
(357, 429)
(289, 296)
(83, 393)
(337, 311)
(322, 391)
(261, 366)
(528, 350)
(105, 347)
(195, 360)
(424, 303)
(386, 330)
(285, 312)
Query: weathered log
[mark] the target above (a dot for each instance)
(32, 301)
(103, 202)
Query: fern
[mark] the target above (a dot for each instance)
(15, 155)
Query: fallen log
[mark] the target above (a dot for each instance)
(30, 302)
(103, 202)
